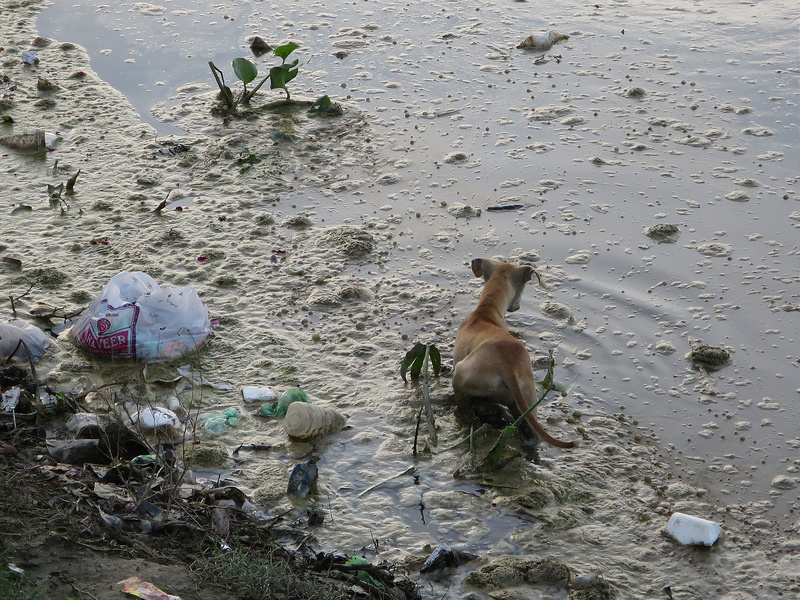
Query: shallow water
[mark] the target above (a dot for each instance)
(592, 167)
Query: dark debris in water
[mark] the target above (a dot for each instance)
(663, 232)
(443, 558)
(170, 148)
(504, 207)
(710, 357)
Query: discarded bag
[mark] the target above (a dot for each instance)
(134, 317)
(135, 586)
(303, 480)
(279, 408)
(17, 330)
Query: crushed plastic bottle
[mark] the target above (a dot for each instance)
(303, 479)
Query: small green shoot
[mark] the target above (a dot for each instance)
(246, 159)
(285, 72)
(417, 359)
(548, 384)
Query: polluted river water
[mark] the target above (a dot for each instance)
(349, 238)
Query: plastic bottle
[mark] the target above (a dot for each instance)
(305, 421)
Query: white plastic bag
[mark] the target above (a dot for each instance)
(12, 332)
(134, 317)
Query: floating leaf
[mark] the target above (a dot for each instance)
(326, 106)
(244, 70)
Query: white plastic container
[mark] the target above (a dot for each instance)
(693, 530)
(255, 393)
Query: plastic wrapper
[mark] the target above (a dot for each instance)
(279, 408)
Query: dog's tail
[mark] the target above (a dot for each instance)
(522, 405)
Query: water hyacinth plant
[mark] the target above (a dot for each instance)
(247, 72)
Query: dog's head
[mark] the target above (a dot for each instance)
(517, 276)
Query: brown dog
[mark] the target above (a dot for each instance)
(490, 364)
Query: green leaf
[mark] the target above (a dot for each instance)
(436, 359)
(416, 354)
(282, 74)
(283, 51)
(244, 70)
(7, 119)
(416, 367)
(326, 107)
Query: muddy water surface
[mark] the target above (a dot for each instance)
(649, 114)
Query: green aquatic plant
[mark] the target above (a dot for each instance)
(246, 160)
(417, 360)
(284, 72)
(548, 384)
(247, 72)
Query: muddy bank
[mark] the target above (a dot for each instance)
(323, 277)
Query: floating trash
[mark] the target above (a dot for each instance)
(711, 357)
(151, 419)
(259, 47)
(253, 393)
(84, 426)
(135, 586)
(542, 41)
(303, 479)
(443, 557)
(18, 338)
(279, 408)
(305, 421)
(219, 424)
(32, 141)
(689, 530)
(664, 233)
(29, 57)
(134, 317)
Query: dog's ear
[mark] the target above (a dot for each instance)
(483, 267)
(528, 272)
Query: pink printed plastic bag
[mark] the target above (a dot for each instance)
(136, 318)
